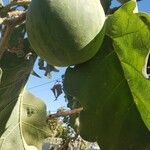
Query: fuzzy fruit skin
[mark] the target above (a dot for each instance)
(65, 32)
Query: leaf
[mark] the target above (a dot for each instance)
(34, 128)
(27, 128)
(110, 115)
(16, 37)
(57, 90)
(41, 64)
(131, 36)
(106, 4)
(18, 129)
(49, 69)
(35, 74)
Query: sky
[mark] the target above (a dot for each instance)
(41, 87)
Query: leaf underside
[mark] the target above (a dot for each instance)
(22, 115)
(112, 87)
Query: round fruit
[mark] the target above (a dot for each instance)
(65, 32)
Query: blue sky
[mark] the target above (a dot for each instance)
(45, 92)
(144, 5)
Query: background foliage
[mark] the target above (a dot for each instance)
(114, 97)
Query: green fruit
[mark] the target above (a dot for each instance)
(65, 32)
(109, 114)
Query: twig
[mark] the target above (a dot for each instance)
(14, 21)
(5, 39)
(65, 113)
(10, 25)
(66, 144)
(8, 7)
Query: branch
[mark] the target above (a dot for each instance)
(13, 21)
(65, 113)
(5, 39)
(66, 144)
(10, 25)
(8, 7)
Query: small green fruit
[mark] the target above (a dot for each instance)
(65, 32)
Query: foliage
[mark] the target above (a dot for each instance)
(70, 139)
(106, 5)
(113, 84)
(48, 68)
(112, 88)
(133, 44)
(22, 116)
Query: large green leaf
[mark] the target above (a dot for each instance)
(22, 116)
(110, 114)
(131, 38)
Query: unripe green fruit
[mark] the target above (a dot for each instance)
(65, 32)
